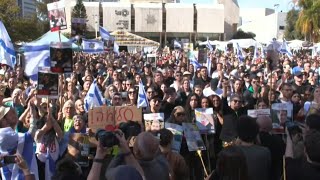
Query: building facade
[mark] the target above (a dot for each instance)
(27, 7)
(163, 21)
(267, 27)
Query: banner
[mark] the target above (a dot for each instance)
(48, 84)
(78, 26)
(121, 16)
(124, 38)
(202, 55)
(281, 112)
(152, 59)
(105, 116)
(153, 121)
(193, 137)
(258, 112)
(57, 16)
(204, 120)
(177, 132)
(61, 57)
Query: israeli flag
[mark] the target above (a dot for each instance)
(285, 49)
(142, 97)
(92, 46)
(239, 53)
(209, 46)
(7, 52)
(104, 33)
(93, 98)
(194, 61)
(177, 44)
(36, 55)
(314, 51)
(116, 48)
(208, 64)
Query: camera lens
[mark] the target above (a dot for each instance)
(106, 139)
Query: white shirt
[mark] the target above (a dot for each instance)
(209, 92)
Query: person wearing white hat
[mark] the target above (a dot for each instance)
(17, 143)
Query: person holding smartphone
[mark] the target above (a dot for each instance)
(20, 162)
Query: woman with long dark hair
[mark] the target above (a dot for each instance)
(192, 103)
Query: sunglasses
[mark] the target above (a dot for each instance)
(131, 92)
(237, 101)
(150, 92)
(180, 114)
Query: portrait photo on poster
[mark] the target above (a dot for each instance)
(57, 16)
(61, 57)
(48, 84)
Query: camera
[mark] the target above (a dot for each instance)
(293, 127)
(106, 139)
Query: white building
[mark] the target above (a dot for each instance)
(161, 20)
(266, 27)
(251, 14)
(27, 7)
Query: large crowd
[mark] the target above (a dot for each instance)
(39, 137)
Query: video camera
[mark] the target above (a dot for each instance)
(107, 139)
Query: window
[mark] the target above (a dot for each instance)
(281, 27)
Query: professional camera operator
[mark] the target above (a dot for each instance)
(106, 142)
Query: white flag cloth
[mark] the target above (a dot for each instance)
(177, 44)
(36, 55)
(285, 49)
(104, 33)
(93, 98)
(92, 46)
(142, 97)
(7, 52)
(116, 48)
(240, 53)
(209, 46)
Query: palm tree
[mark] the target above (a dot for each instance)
(308, 20)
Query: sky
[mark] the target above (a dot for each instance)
(284, 5)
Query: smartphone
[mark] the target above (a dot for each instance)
(9, 159)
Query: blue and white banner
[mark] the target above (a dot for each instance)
(93, 98)
(177, 44)
(255, 53)
(116, 48)
(209, 46)
(36, 56)
(92, 46)
(285, 49)
(208, 64)
(240, 53)
(7, 52)
(104, 33)
(142, 97)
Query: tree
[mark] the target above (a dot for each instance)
(43, 10)
(79, 11)
(309, 19)
(20, 29)
(240, 34)
(291, 32)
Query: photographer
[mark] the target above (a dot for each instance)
(22, 164)
(125, 155)
(308, 167)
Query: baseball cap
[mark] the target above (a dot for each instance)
(298, 73)
(186, 73)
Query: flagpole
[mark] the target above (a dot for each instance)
(59, 36)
